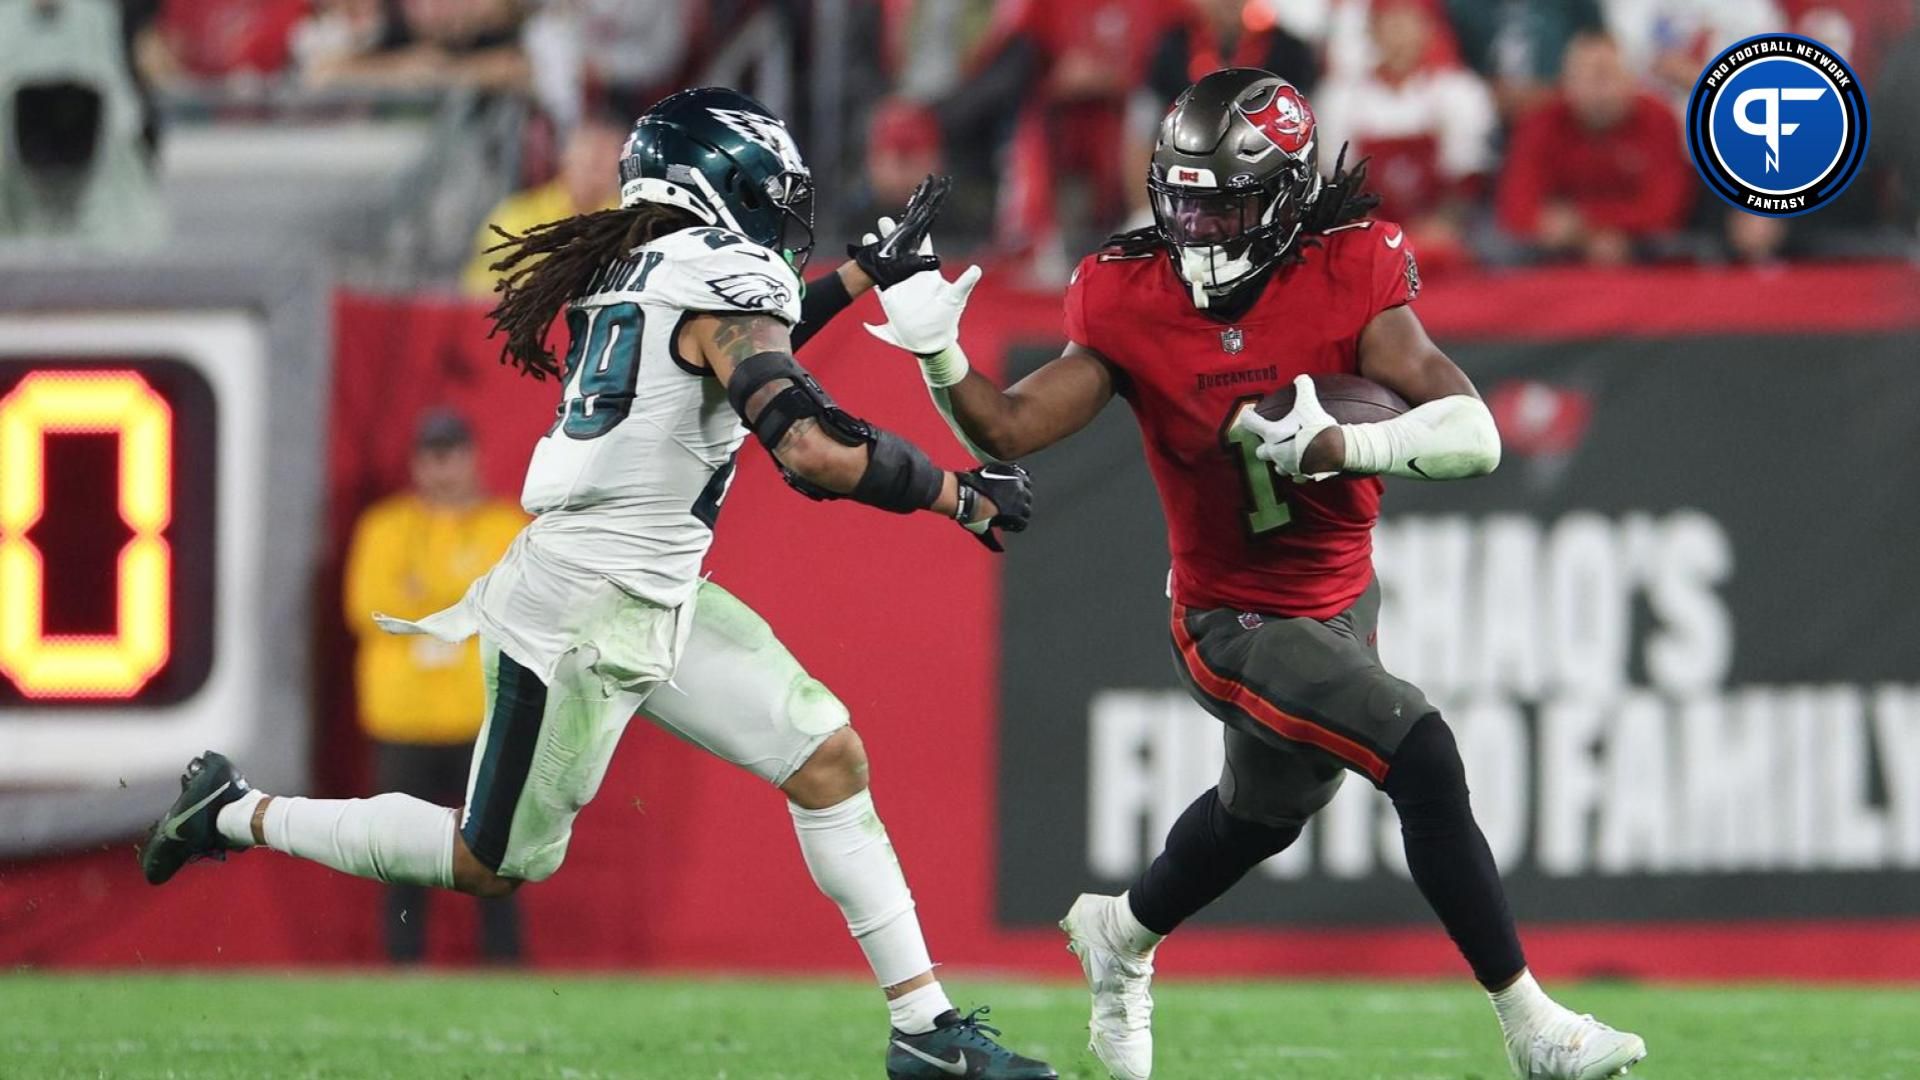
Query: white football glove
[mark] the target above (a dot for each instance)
(1283, 441)
(923, 312)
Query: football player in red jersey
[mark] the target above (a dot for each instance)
(1258, 271)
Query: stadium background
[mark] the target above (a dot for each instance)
(1685, 674)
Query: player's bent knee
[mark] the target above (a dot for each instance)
(841, 757)
(1255, 839)
(834, 773)
(495, 887)
(1427, 780)
(1427, 760)
(1274, 790)
(1279, 815)
(475, 878)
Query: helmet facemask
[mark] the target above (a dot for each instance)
(791, 193)
(1221, 237)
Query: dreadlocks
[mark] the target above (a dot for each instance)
(1343, 199)
(548, 266)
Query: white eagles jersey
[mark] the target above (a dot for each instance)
(627, 482)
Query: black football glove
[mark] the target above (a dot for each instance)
(1011, 490)
(904, 252)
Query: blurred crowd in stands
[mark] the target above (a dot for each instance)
(1500, 132)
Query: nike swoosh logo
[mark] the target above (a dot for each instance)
(174, 822)
(956, 1067)
(1414, 464)
(1395, 240)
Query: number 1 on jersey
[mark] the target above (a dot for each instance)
(1267, 508)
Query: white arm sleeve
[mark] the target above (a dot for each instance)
(1450, 438)
(945, 405)
(942, 370)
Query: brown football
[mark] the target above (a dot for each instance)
(1349, 399)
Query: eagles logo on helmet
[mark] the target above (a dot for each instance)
(765, 130)
(728, 160)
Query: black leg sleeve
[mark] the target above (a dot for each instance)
(1207, 851)
(1448, 854)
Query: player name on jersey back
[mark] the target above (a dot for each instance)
(629, 479)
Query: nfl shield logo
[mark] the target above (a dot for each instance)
(1233, 339)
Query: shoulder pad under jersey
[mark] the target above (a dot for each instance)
(708, 269)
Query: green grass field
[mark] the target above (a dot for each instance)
(693, 1029)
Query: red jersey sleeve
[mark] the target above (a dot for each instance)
(1394, 277)
(1078, 329)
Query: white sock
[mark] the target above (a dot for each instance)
(393, 838)
(914, 1012)
(1522, 1006)
(235, 820)
(852, 861)
(1136, 936)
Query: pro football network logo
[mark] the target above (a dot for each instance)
(1777, 125)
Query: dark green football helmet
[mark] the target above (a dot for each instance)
(723, 157)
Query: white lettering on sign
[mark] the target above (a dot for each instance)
(1613, 635)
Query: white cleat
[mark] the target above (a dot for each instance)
(1573, 1046)
(1120, 1030)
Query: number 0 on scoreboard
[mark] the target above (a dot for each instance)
(106, 538)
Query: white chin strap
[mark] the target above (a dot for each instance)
(1210, 267)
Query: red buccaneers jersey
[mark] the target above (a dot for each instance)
(1244, 536)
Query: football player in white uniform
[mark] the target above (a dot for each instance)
(683, 309)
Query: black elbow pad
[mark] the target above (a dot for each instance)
(899, 477)
(754, 373)
(803, 399)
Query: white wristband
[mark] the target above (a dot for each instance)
(944, 368)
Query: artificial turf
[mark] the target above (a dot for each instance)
(541, 1025)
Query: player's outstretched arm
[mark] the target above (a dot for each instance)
(1059, 399)
(923, 317)
(826, 453)
(1447, 435)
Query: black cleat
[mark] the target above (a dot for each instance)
(189, 830)
(960, 1046)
